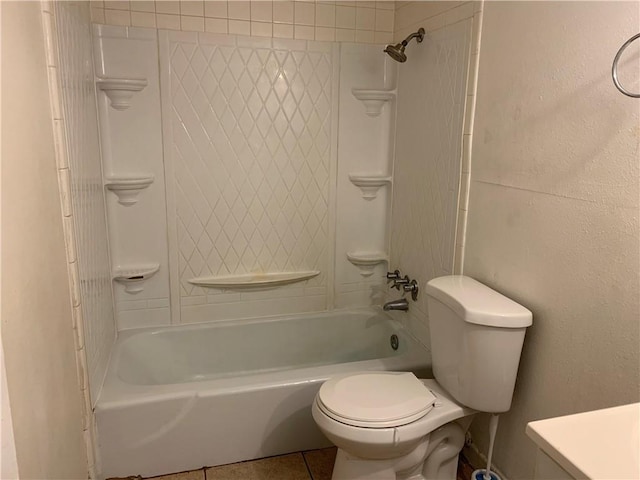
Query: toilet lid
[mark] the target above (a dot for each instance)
(376, 399)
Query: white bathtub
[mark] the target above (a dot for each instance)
(180, 398)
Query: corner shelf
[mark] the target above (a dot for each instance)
(373, 99)
(369, 184)
(366, 261)
(254, 280)
(127, 188)
(121, 90)
(132, 277)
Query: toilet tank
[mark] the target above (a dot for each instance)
(476, 341)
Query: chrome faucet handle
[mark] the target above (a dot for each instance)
(393, 275)
(400, 282)
(413, 288)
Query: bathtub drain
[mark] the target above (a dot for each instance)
(394, 341)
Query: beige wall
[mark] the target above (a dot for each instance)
(553, 216)
(36, 313)
(8, 461)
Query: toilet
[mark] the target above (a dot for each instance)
(394, 426)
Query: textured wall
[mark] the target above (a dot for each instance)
(352, 21)
(553, 219)
(37, 332)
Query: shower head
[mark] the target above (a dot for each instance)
(397, 51)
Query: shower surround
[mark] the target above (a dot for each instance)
(238, 138)
(257, 156)
(250, 143)
(237, 155)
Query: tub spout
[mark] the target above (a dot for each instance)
(400, 304)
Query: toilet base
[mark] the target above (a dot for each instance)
(434, 458)
(348, 467)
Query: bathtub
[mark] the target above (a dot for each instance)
(180, 398)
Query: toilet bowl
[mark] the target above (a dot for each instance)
(393, 426)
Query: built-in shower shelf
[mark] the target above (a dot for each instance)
(369, 184)
(366, 261)
(254, 280)
(134, 276)
(372, 99)
(127, 188)
(121, 90)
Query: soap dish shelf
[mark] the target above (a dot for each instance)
(373, 99)
(127, 188)
(252, 281)
(369, 184)
(121, 90)
(366, 261)
(134, 276)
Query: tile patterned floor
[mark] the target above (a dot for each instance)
(310, 465)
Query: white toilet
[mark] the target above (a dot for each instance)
(391, 425)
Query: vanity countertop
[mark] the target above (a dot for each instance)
(596, 445)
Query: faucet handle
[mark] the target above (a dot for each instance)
(413, 288)
(400, 282)
(393, 275)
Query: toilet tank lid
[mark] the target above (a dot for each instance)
(476, 303)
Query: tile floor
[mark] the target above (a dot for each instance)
(310, 465)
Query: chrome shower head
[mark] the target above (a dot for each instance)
(397, 51)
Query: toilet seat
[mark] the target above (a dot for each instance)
(375, 399)
(386, 442)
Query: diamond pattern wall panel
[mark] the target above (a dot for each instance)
(73, 39)
(428, 152)
(251, 152)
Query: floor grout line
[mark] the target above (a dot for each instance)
(304, 459)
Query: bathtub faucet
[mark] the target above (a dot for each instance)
(400, 304)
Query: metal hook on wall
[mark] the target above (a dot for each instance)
(614, 68)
